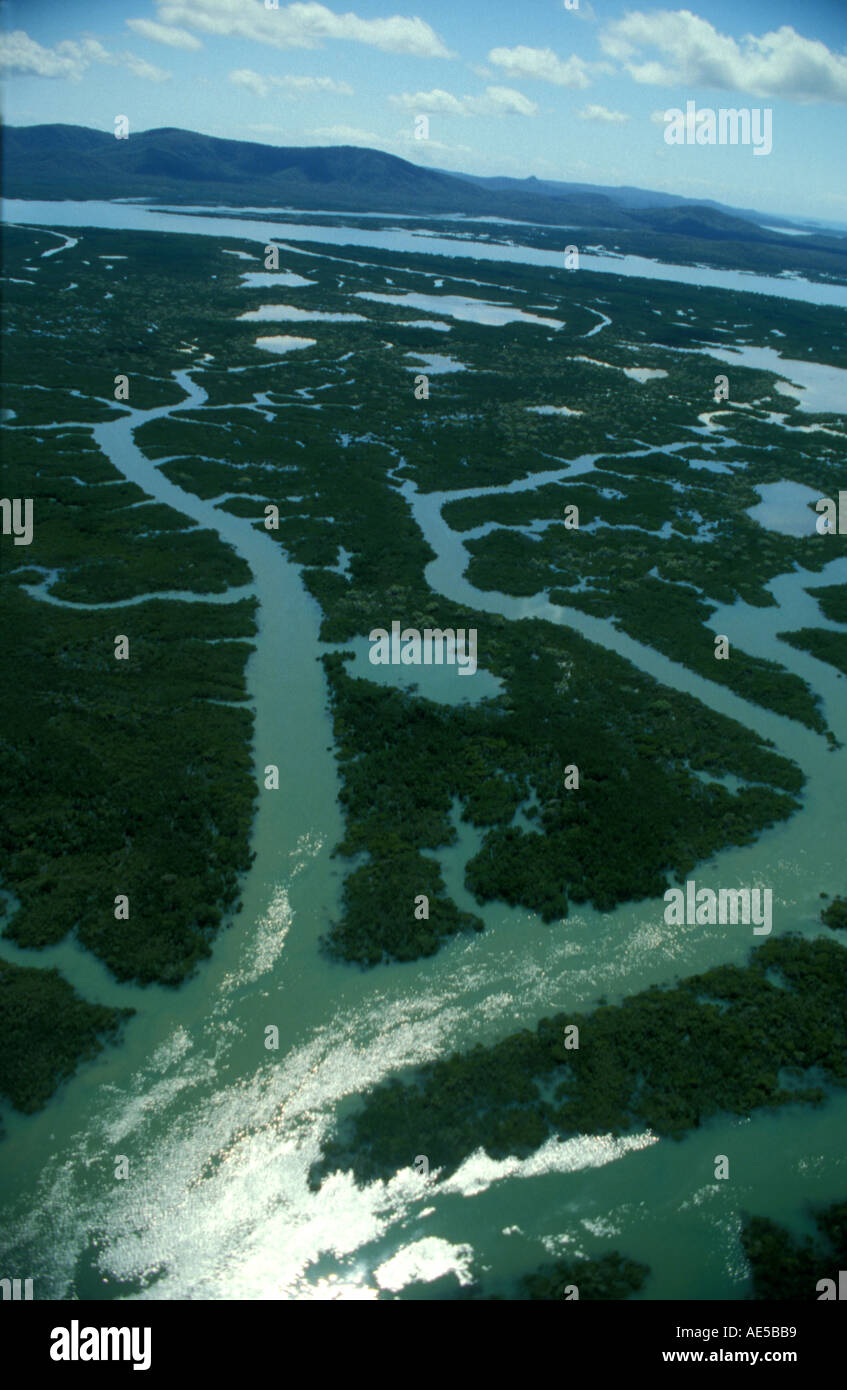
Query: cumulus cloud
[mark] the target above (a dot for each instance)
(94, 52)
(163, 33)
(316, 84)
(692, 53)
(301, 25)
(497, 101)
(543, 65)
(603, 114)
(289, 85)
(506, 101)
(350, 135)
(253, 81)
(22, 56)
(149, 71)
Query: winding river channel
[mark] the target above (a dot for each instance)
(220, 1133)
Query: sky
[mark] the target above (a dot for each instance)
(559, 89)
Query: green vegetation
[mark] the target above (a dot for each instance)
(673, 620)
(789, 1268)
(641, 812)
(609, 1277)
(655, 587)
(835, 914)
(46, 1029)
(732, 1039)
(125, 777)
(107, 538)
(116, 777)
(832, 601)
(825, 645)
(379, 900)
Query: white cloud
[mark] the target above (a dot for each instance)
(603, 114)
(497, 101)
(290, 85)
(316, 84)
(543, 65)
(780, 63)
(94, 50)
(302, 25)
(350, 135)
(436, 102)
(253, 81)
(506, 101)
(164, 33)
(23, 56)
(141, 68)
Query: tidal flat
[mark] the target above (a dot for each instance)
(148, 778)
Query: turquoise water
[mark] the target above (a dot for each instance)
(220, 1133)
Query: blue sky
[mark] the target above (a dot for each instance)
(513, 87)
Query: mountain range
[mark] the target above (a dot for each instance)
(182, 166)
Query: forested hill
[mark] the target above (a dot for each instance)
(74, 161)
(64, 161)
